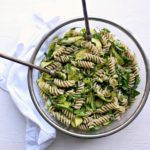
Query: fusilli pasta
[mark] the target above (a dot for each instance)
(94, 82)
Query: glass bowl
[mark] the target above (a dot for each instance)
(121, 34)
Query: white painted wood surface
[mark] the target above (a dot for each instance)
(133, 14)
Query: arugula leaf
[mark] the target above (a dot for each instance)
(64, 105)
(60, 75)
(50, 51)
(61, 98)
(67, 67)
(97, 36)
(118, 57)
(46, 76)
(71, 40)
(134, 93)
(91, 100)
(125, 76)
(80, 112)
(94, 128)
(118, 45)
(105, 30)
(75, 96)
(137, 81)
(127, 61)
(83, 31)
(103, 98)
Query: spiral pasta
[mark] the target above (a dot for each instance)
(106, 37)
(64, 84)
(61, 118)
(59, 51)
(121, 109)
(86, 120)
(130, 55)
(83, 127)
(44, 96)
(117, 115)
(80, 88)
(78, 103)
(105, 41)
(70, 92)
(70, 50)
(122, 100)
(111, 64)
(55, 91)
(96, 87)
(99, 121)
(102, 75)
(107, 107)
(51, 89)
(135, 71)
(91, 46)
(63, 59)
(96, 116)
(113, 82)
(131, 80)
(93, 82)
(54, 66)
(93, 58)
(83, 64)
(68, 114)
(43, 86)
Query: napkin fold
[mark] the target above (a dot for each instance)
(13, 79)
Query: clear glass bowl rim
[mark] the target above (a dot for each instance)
(131, 118)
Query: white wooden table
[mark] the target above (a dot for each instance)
(135, 15)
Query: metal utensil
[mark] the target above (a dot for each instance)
(88, 36)
(26, 64)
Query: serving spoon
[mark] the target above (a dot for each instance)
(51, 72)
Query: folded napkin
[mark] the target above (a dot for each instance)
(13, 78)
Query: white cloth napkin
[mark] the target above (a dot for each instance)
(13, 78)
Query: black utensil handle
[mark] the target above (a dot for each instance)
(24, 63)
(86, 20)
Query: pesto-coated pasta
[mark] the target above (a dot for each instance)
(93, 58)
(70, 50)
(61, 118)
(68, 114)
(131, 80)
(86, 120)
(78, 103)
(54, 66)
(91, 46)
(83, 127)
(94, 82)
(61, 83)
(59, 51)
(107, 107)
(99, 121)
(80, 88)
(112, 65)
(83, 64)
(63, 59)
